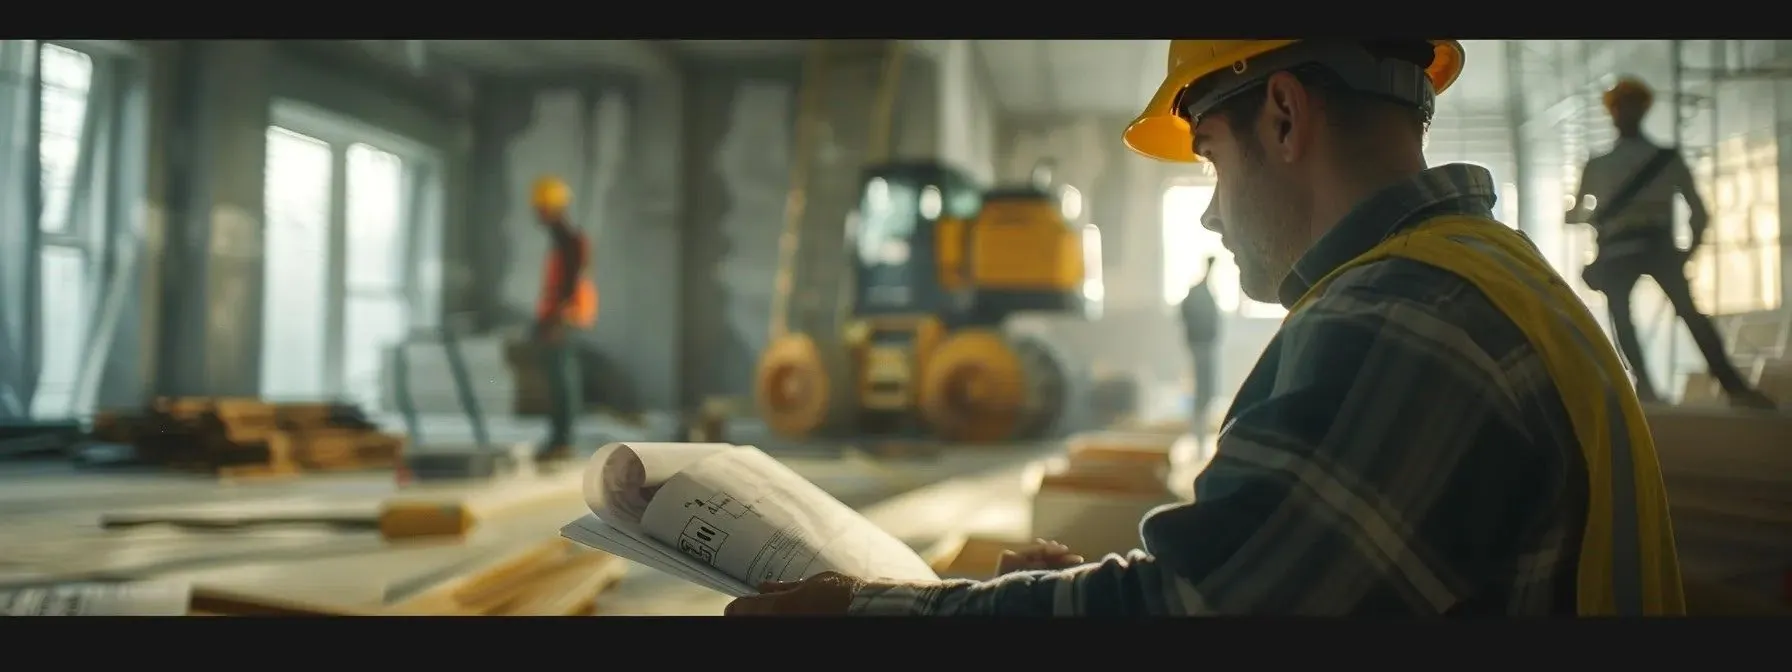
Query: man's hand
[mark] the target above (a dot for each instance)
(825, 594)
(1041, 555)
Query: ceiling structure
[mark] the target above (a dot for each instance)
(1119, 76)
(1027, 76)
(524, 57)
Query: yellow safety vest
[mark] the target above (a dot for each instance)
(1628, 565)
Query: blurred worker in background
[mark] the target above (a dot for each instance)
(1627, 195)
(1201, 329)
(568, 301)
(1438, 427)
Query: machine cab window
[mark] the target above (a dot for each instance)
(887, 217)
(897, 205)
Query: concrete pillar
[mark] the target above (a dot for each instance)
(741, 124)
(211, 275)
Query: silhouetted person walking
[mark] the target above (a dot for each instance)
(1201, 329)
(1627, 196)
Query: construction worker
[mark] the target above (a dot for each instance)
(1438, 428)
(1627, 195)
(568, 301)
(1201, 330)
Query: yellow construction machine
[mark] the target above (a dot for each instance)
(938, 265)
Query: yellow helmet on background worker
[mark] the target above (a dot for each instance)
(550, 195)
(1204, 73)
(1629, 88)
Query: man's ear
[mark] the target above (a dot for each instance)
(1289, 117)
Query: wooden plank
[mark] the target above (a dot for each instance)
(454, 513)
(225, 521)
(481, 590)
(216, 601)
(568, 590)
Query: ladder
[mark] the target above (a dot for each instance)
(813, 287)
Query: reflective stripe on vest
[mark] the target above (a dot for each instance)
(1628, 562)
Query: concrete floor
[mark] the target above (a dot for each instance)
(49, 532)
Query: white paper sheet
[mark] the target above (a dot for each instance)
(98, 599)
(729, 518)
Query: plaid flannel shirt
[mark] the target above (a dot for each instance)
(1398, 449)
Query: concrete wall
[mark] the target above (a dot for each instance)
(969, 118)
(739, 134)
(675, 166)
(615, 135)
(738, 141)
(615, 139)
(209, 111)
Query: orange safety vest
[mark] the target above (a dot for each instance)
(581, 310)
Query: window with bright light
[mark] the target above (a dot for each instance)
(1093, 289)
(66, 76)
(1508, 204)
(1505, 206)
(1737, 266)
(375, 312)
(1187, 245)
(296, 254)
(1071, 203)
(65, 256)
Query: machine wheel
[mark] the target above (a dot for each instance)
(794, 386)
(1050, 386)
(973, 388)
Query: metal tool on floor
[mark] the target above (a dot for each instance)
(427, 462)
(234, 523)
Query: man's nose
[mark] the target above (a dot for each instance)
(1210, 219)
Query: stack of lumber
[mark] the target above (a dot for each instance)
(250, 437)
(1093, 501)
(1160, 426)
(552, 578)
(1729, 481)
(1772, 376)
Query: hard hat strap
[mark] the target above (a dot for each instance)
(1351, 66)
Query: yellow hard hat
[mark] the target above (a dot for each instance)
(550, 193)
(1161, 132)
(1629, 88)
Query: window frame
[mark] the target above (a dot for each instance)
(1731, 236)
(99, 226)
(419, 205)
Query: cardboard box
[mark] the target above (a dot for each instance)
(1733, 444)
(1097, 511)
(974, 557)
(1100, 450)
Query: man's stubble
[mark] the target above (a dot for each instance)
(1264, 214)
